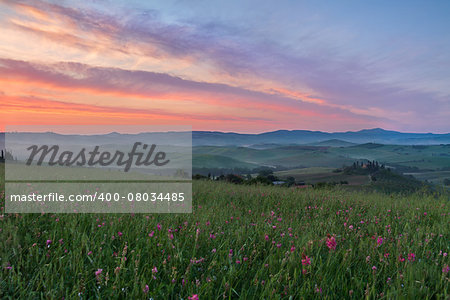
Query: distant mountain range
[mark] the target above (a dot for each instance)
(305, 137)
(264, 140)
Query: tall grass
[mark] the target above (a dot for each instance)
(240, 242)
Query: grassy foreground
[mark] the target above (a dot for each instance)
(240, 242)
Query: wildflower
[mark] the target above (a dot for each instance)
(379, 241)
(146, 289)
(374, 268)
(213, 250)
(193, 297)
(445, 269)
(89, 253)
(400, 258)
(119, 233)
(151, 234)
(331, 242)
(411, 257)
(292, 248)
(306, 261)
(98, 272)
(267, 237)
(154, 270)
(48, 243)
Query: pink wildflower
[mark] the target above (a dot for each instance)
(331, 242)
(306, 261)
(445, 269)
(379, 241)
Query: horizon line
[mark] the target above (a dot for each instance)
(236, 132)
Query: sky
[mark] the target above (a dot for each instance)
(242, 66)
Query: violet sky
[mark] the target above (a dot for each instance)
(243, 66)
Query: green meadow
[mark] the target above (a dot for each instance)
(246, 242)
(316, 162)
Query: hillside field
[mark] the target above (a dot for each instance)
(425, 162)
(320, 174)
(247, 242)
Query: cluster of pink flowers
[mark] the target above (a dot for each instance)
(306, 261)
(445, 269)
(331, 242)
(98, 272)
(379, 241)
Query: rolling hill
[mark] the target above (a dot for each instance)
(284, 137)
